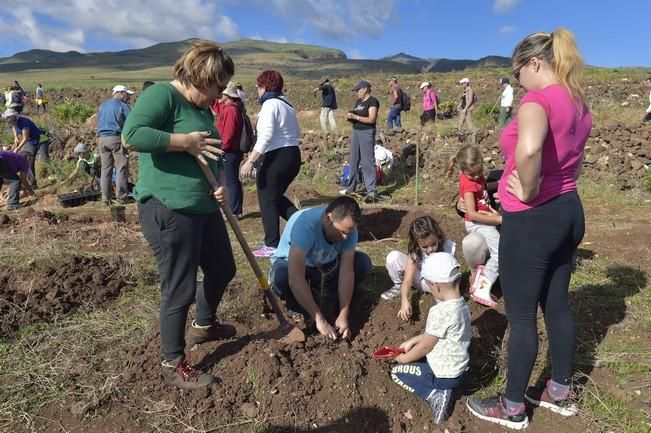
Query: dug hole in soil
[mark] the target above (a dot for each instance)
(28, 297)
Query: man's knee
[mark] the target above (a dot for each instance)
(279, 278)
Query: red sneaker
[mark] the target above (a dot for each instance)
(540, 397)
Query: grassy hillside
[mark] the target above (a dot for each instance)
(101, 70)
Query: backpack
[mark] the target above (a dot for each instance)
(405, 100)
(16, 98)
(247, 137)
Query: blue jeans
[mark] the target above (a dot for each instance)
(394, 115)
(327, 297)
(232, 162)
(417, 377)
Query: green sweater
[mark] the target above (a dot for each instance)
(174, 178)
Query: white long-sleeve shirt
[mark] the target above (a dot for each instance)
(506, 99)
(277, 126)
(648, 110)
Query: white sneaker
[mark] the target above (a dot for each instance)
(343, 192)
(390, 294)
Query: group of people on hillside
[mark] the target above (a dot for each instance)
(172, 128)
(315, 266)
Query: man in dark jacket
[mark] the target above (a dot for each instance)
(328, 105)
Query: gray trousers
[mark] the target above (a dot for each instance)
(362, 145)
(481, 246)
(13, 197)
(328, 118)
(112, 153)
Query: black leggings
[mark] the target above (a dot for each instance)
(279, 168)
(536, 250)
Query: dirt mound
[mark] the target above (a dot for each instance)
(308, 385)
(28, 297)
(383, 223)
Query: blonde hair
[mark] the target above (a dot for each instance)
(467, 158)
(560, 49)
(204, 64)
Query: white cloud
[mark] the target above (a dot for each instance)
(70, 24)
(334, 19)
(502, 6)
(64, 25)
(507, 30)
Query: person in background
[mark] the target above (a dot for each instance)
(147, 84)
(242, 95)
(15, 98)
(110, 121)
(14, 168)
(276, 149)
(171, 127)
(430, 105)
(395, 106)
(328, 105)
(506, 102)
(41, 99)
(27, 136)
(542, 224)
(362, 142)
(229, 124)
(647, 116)
(89, 163)
(467, 106)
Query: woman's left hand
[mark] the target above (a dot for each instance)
(221, 194)
(247, 169)
(514, 186)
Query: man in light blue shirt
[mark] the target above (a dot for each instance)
(317, 252)
(110, 120)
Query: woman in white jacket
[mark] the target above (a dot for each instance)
(277, 151)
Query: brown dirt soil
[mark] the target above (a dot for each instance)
(27, 297)
(318, 385)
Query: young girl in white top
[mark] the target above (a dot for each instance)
(425, 237)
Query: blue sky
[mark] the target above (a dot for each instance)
(607, 35)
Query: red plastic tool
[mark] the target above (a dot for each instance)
(388, 352)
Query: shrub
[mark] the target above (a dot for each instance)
(484, 117)
(72, 112)
(447, 107)
(647, 180)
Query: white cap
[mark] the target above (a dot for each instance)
(81, 148)
(440, 268)
(121, 88)
(425, 84)
(9, 112)
(464, 81)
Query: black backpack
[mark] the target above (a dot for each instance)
(247, 137)
(405, 100)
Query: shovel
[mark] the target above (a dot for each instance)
(291, 333)
(388, 352)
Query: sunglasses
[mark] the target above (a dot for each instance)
(516, 71)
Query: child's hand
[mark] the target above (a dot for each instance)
(400, 359)
(405, 310)
(409, 344)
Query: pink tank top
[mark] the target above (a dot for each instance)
(562, 151)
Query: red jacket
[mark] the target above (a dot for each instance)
(229, 124)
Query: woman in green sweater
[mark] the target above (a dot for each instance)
(171, 126)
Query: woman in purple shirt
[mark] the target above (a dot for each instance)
(542, 222)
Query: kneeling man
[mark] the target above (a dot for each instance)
(316, 258)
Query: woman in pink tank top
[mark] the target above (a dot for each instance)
(542, 222)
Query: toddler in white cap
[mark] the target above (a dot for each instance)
(435, 362)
